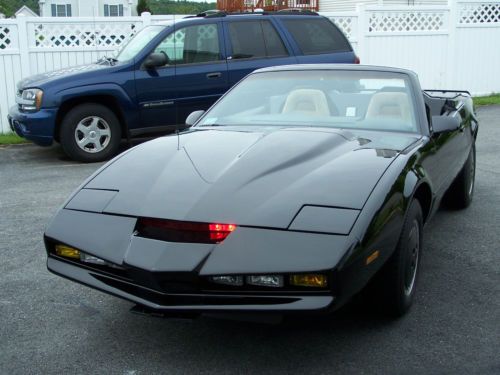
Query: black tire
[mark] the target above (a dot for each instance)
(461, 191)
(98, 130)
(395, 284)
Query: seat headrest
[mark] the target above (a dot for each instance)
(310, 101)
(389, 104)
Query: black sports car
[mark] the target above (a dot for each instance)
(296, 190)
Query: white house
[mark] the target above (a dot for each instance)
(25, 11)
(350, 5)
(87, 8)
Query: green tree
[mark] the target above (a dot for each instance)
(180, 7)
(9, 7)
(142, 6)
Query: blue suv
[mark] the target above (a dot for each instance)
(164, 73)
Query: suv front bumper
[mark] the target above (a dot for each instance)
(37, 127)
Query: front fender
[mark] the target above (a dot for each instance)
(127, 105)
(380, 222)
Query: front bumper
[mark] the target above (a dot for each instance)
(190, 302)
(37, 127)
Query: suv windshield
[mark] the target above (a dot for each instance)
(137, 43)
(327, 98)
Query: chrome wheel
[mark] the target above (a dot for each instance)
(92, 134)
(412, 257)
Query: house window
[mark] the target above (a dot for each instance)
(113, 10)
(61, 10)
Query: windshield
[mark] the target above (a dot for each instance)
(326, 98)
(137, 43)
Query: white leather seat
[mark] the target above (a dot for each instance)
(389, 104)
(307, 101)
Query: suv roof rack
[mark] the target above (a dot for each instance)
(283, 12)
(209, 14)
(296, 10)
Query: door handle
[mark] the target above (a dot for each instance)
(214, 75)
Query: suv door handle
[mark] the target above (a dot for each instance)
(214, 75)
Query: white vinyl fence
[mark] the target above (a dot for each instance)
(450, 47)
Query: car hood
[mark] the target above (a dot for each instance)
(39, 80)
(256, 178)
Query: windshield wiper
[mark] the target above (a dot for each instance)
(109, 60)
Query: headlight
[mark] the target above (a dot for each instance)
(31, 99)
(325, 219)
(72, 253)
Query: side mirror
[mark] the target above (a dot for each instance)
(446, 124)
(155, 60)
(193, 117)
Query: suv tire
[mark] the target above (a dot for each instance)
(90, 133)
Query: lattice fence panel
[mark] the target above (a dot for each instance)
(479, 13)
(406, 21)
(346, 24)
(8, 39)
(52, 35)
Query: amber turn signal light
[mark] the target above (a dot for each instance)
(310, 280)
(67, 252)
(372, 257)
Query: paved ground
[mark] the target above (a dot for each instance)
(50, 325)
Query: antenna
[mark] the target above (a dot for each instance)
(178, 137)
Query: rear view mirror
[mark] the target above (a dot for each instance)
(193, 117)
(155, 60)
(445, 124)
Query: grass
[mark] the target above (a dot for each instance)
(487, 100)
(11, 139)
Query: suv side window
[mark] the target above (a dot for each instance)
(255, 39)
(316, 36)
(274, 44)
(192, 44)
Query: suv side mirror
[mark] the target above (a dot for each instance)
(445, 124)
(193, 117)
(155, 60)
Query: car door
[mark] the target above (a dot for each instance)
(254, 44)
(194, 77)
(200, 69)
(449, 151)
(156, 91)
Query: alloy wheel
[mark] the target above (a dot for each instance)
(92, 134)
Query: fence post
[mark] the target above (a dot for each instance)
(361, 33)
(146, 19)
(452, 28)
(22, 32)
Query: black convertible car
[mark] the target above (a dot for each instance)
(298, 189)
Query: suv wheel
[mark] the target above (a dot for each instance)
(90, 133)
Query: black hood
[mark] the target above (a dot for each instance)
(247, 178)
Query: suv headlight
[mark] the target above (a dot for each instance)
(31, 99)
